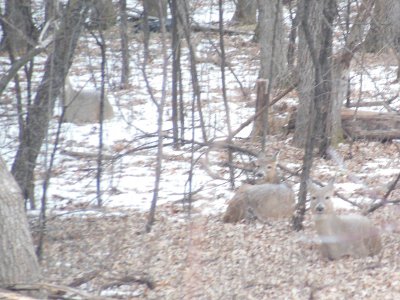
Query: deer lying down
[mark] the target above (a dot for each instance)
(341, 235)
(83, 106)
(262, 201)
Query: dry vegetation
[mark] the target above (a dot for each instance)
(203, 258)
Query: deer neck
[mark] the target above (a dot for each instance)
(326, 223)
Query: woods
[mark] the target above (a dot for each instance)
(152, 110)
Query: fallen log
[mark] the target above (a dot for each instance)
(370, 125)
(361, 124)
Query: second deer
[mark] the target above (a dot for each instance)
(268, 199)
(341, 235)
(83, 106)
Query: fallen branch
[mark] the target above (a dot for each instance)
(142, 279)
(53, 289)
(8, 295)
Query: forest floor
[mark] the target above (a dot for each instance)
(107, 252)
(203, 258)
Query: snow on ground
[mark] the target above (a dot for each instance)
(128, 179)
(363, 171)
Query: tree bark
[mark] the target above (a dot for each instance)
(341, 67)
(20, 34)
(245, 12)
(273, 42)
(52, 9)
(39, 113)
(18, 262)
(154, 10)
(315, 42)
(320, 54)
(125, 72)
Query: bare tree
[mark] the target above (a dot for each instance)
(273, 59)
(39, 113)
(311, 48)
(160, 110)
(123, 29)
(18, 262)
(319, 54)
(341, 66)
(178, 113)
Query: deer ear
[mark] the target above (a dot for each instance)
(310, 185)
(331, 182)
(275, 157)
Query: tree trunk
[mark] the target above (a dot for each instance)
(341, 67)
(18, 262)
(314, 44)
(154, 10)
(52, 10)
(245, 12)
(273, 59)
(39, 113)
(125, 72)
(20, 34)
(385, 29)
(320, 56)
(260, 126)
(273, 43)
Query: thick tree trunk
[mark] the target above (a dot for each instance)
(317, 130)
(41, 110)
(313, 46)
(19, 31)
(18, 262)
(52, 9)
(245, 12)
(273, 59)
(272, 41)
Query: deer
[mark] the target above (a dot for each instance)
(267, 199)
(83, 106)
(341, 235)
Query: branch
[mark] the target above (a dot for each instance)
(18, 64)
(261, 111)
(384, 201)
(5, 79)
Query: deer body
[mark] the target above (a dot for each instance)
(341, 235)
(263, 201)
(83, 106)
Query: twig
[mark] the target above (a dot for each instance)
(385, 201)
(253, 117)
(130, 279)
